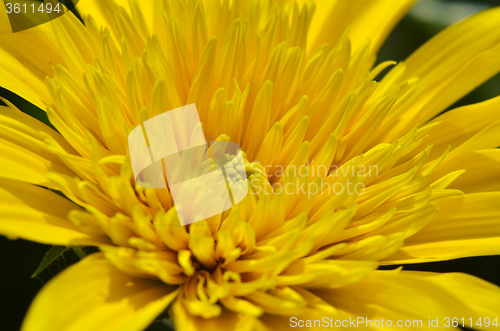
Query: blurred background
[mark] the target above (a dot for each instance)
(19, 259)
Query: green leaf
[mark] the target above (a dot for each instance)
(52, 254)
(79, 252)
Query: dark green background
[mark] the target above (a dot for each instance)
(20, 258)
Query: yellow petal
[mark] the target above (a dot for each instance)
(271, 146)
(455, 126)
(20, 164)
(367, 19)
(37, 214)
(452, 64)
(399, 295)
(478, 70)
(328, 273)
(102, 12)
(453, 47)
(482, 171)
(24, 67)
(317, 309)
(94, 295)
(29, 87)
(28, 43)
(21, 129)
(274, 304)
(227, 320)
(24, 155)
(466, 226)
(489, 137)
(477, 293)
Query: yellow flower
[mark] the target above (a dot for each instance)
(292, 83)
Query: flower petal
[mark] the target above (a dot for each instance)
(102, 12)
(23, 68)
(20, 164)
(98, 11)
(452, 64)
(477, 293)
(466, 226)
(227, 320)
(489, 137)
(453, 47)
(37, 214)
(94, 295)
(455, 127)
(26, 131)
(367, 19)
(29, 87)
(482, 171)
(399, 295)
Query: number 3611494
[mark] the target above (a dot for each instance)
(17, 8)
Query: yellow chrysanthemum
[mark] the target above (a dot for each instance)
(292, 84)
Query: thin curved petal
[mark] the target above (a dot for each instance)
(227, 320)
(478, 294)
(453, 47)
(454, 86)
(482, 171)
(20, 164)
(401, 295)
(101, 11)
(452, 64)
(367, 19)
(489, 137)
(24, 67)
(466, 226)
(317, 309)
(94, 295)
(26, 131)
(96, 9)
(37, 214)
(456, 127)
(30, 87)
(24, 155)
